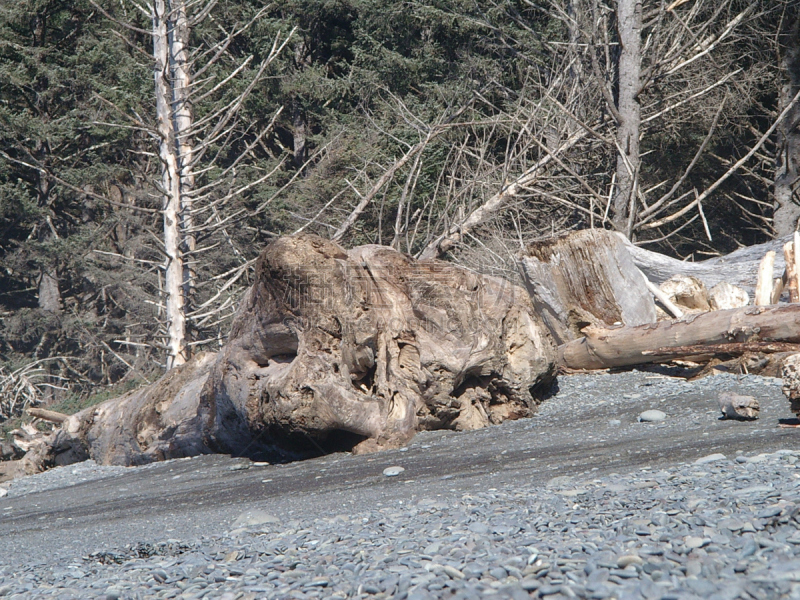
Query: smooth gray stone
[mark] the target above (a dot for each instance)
(549, 590)
(479, 528)
(393, 471)
(701, 587)
(652, 416)
(710, 458)
(254, 517)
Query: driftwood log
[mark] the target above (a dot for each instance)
(599, 278)
(330, 350)
(739, 268)
(47, 415)
(720, 331)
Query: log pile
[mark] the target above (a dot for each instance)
(611, 304)
(715, 326)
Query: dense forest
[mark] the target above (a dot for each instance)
(150, 149)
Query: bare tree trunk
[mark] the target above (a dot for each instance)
(49, 295)
(739, 268)
(301, 61)
(629, 24)
(182, 123)
(171, 188)
(298, 133)
(787, 174)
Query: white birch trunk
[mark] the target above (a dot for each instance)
(182, 124)
(171, 188)
(629, 22)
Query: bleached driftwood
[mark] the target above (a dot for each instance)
(687, 292)
(624, 346)
(739, 268)
(724, 296)
(789, 255)
(47, 415)
(764, 284)
(585, 278)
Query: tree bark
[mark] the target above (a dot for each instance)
(49, 294)
(180, 87)
(625, 346)
(298, 133)
(629, 25)
(787, 173)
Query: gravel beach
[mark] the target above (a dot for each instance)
(582, 501)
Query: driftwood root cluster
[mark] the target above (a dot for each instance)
(330, 350)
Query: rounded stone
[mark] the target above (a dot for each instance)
(453, 572)
(693, 542)
(393, 471)
(254, 517)
(479, 528)
(709, 459)
(160, 575)
(652, 416)
(628, 559)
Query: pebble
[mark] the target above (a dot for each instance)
(254, 517)
(479, 528)
(393, 471)
(709, 459)
(693, 542)
(453, 572)
(652, 416)
(673, 540)
(628, 559)
(3, 492)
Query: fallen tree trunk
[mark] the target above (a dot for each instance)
(625, 346)
(47, 415)
(739, 268)
(735, 348)
(330, 350)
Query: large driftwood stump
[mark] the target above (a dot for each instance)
(330, 350)
(586, 278)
